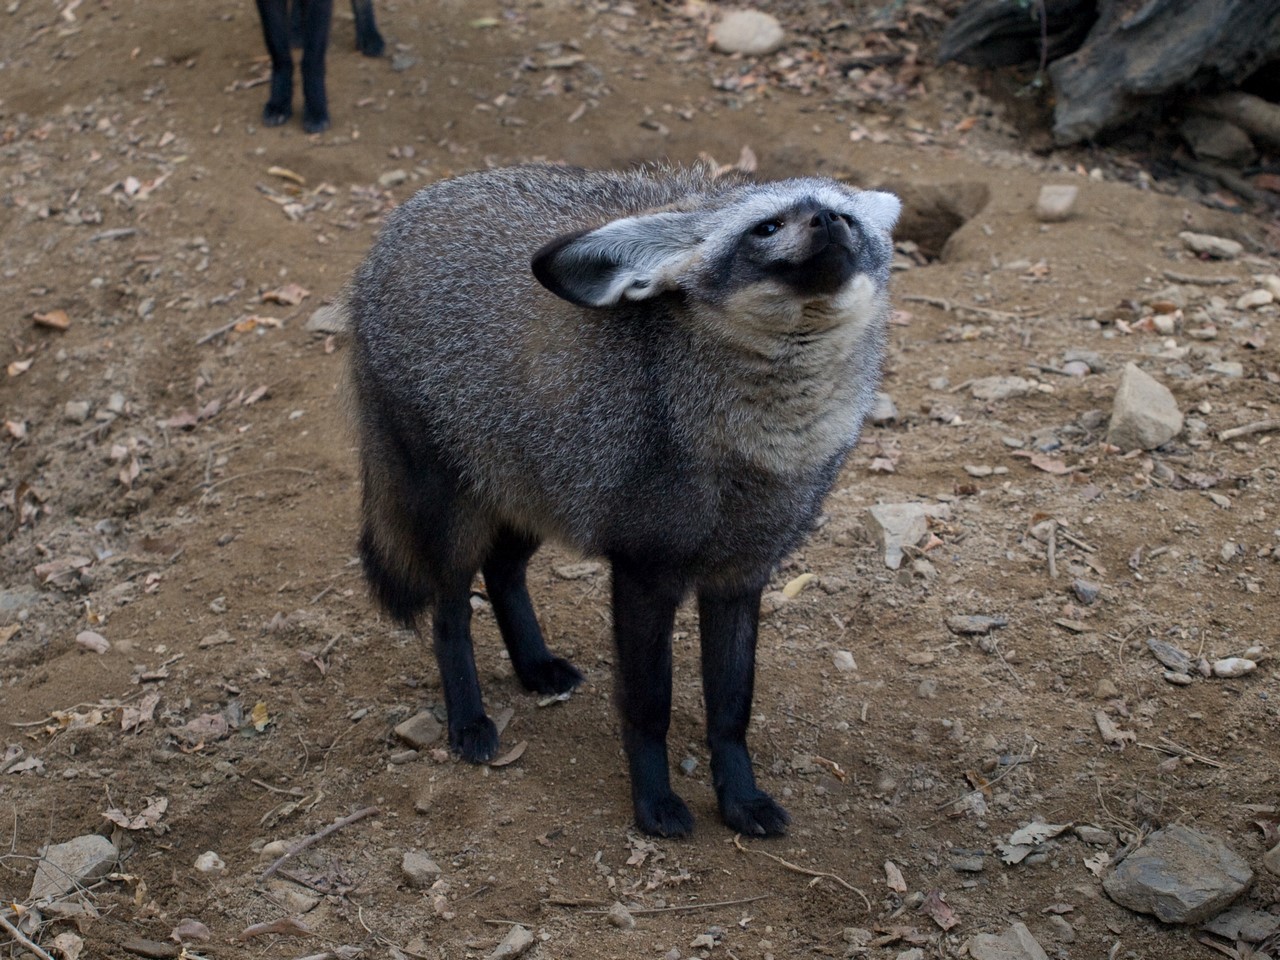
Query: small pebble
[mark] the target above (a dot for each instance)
(621, 917)
(1233, 667)
(419, 870)
(1218, 248)
(77, 411)
(1076, 368)
(210, 862)
(688, 765)
(1086, 592)
(844, 662)
(1254, 299)
(93, 641)
(1056, 202)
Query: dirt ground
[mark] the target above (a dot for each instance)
(175, 476)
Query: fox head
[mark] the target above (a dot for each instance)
(768, 252)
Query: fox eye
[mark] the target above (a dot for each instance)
(767, 229)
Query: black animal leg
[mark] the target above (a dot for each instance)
(275, 31)
(504, 576)
(729, 625)
(644, 607)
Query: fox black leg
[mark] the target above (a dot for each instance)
(729, 625)
(472, 734)
(504, 576)
(644, 609)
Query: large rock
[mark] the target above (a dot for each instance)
(65, 866)
(1179, 875)
(1145, 414)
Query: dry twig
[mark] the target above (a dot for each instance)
(316, 838)
(816, 874)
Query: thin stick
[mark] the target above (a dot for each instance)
(817, 874)
(22, 939)
(214, 334)
(686, 907)
(295, 792)
(1260, 426)
(1077, 541)
(1052, 550)
(253, 473)
(316, 837)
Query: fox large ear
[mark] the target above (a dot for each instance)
(633, 258)
(878, 208)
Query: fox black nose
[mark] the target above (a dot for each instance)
(834, 223)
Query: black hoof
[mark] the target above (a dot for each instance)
(664, 816)
(552, 676)
(756, 815)
(477, 742)
(372, 46)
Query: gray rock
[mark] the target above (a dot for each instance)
(1091, 357)
(393, 178)
(976, 625)
(1016, 943)
(1086, 591)
(1271, 860)
(77, 411)
(621, 917)
(64, 866)
(1219, 248)
(885, 411)
(748, 32)
(1230, 369)
(1056, 202)
(1211, 138)
(1095, 835)
(1060, 930)
(897, 525)
(1179, 875)
(421, 730)
(516, 942)
(419, 870)
(968, 861)
(1144, 414)
(1000, 388)
(1244, 923)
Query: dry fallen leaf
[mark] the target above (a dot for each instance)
(259, 716)
(7, 632)
(893, 877)
(936, 906)
(512, 755)
(54, 320)
(1111, 734)
(18, 367)
(793, 588)
(285, 173)
(289, 295)
(147, 819)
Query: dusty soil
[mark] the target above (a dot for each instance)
(205, 525)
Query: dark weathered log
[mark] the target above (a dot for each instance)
(1166, 46)
(1259, 117)
(1002, 33)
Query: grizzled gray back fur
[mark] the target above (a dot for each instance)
(686, 406)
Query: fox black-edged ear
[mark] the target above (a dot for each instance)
(633, 258)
